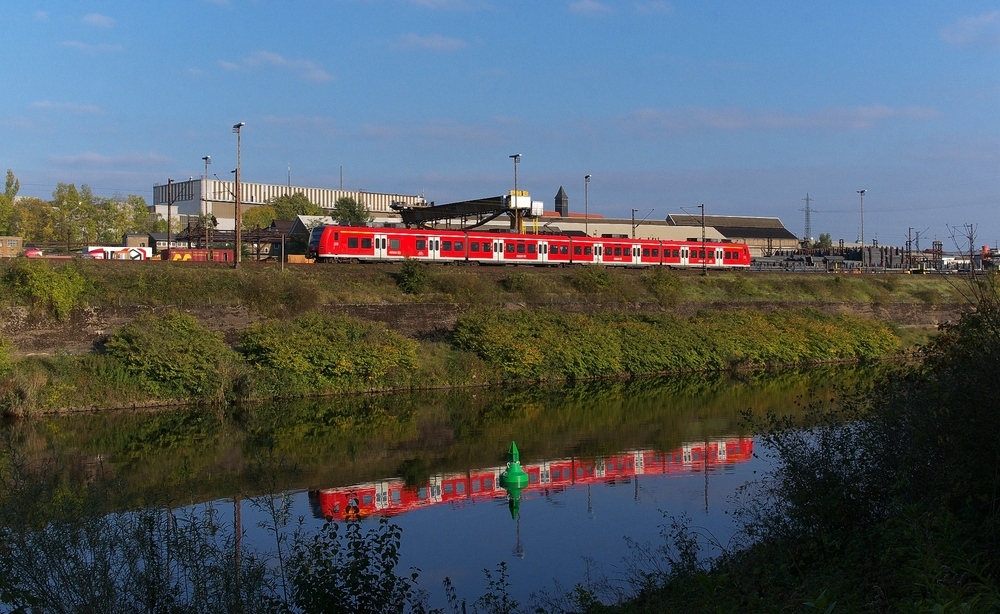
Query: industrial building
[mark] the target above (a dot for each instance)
(766, 236)
(214, 197)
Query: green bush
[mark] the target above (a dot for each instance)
(173, 355)
(6, 362)
(593, 279)
(412, 277)
(664, 284)
(57, 290)
(319, 353)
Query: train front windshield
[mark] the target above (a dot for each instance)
(314, 236)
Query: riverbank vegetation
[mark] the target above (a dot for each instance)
(171, 358)
(886, 504)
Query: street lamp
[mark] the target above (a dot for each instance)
(517, 212)
(862, 193)
(204, 193)
(586, 205)
(170, 205)
(239, 217)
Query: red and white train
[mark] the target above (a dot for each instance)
(366, 244)
(392, 496)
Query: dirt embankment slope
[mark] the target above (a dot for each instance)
(88, 327)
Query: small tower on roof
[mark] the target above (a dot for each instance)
(562, 203)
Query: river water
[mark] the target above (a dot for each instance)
(609, 465)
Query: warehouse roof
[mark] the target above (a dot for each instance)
(736, 226)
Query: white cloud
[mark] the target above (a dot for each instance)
(88, 48)
(307, 69)
(42, 15)
(978, 31)
(434, 42)
(66, 106)
(654, 7)
(589, 7)
(834, 118)
(99, 21)
(91, 159)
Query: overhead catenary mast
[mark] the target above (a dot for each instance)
(808, 236)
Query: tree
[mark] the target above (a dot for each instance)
(32, 218)
(287, 208)
(256, 218)
(7, 202)
(825, 242)
(350, 211)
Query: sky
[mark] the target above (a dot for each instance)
(745, 107)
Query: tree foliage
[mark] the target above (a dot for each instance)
(257, 218)
(55, 290)
(349, 211)
(11, 188)
(824, 242)
(288, 207)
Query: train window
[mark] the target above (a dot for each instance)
(656, 252)
(476, 487)
(488, 483)
(701, 254)
(460, 488)
(510, 248)
(520, 248)
(459, 246)
(587, 250)
(421, 244)
(352, 242)
(531, 248)
(645, 252)
(393, 243)
(473, 247)
(618, 251)
(677, 254)
(448, 488)
(336, 236)
(366, 243)
(577, 250)
(564, 249)
(532, 478)
(487, 247)
(422, 492)
(366, 499)
(446, 246)
(396, 496)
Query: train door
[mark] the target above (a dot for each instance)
(636, 254)
(718, 257)
(381, 495)
(685, 255)
(434, 489)
(433, 248)
(639, 462)
(498, 255)
(381, 243)
(543, 251)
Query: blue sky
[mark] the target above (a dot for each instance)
(742, 106)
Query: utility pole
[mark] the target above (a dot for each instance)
(633, 223)
(239, 217)
(704, 259)
(808, 238)
(909, 248)
(586, 205)
(862, 193)
(170, 206)
(517, 212)
(204, 188)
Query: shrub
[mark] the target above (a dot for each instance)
(56, 290)
(6, 362)
(664, 284)
(412, 277)
(328, 353)
(173, 354)
(593, 279)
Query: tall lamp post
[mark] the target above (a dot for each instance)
(239, 216)
(517, 212)
(586, 205)
(204, 191)
(862, 193)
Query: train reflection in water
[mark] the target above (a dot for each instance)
(392, 496)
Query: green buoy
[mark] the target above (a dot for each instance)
(514, 480)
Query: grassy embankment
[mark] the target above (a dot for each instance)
(298, 350)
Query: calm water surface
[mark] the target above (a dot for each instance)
(607, 462)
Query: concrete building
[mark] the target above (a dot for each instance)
(766, 236)
(200, 197)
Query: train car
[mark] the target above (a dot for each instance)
(366, 244)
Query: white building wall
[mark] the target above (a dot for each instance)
(200, 197)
